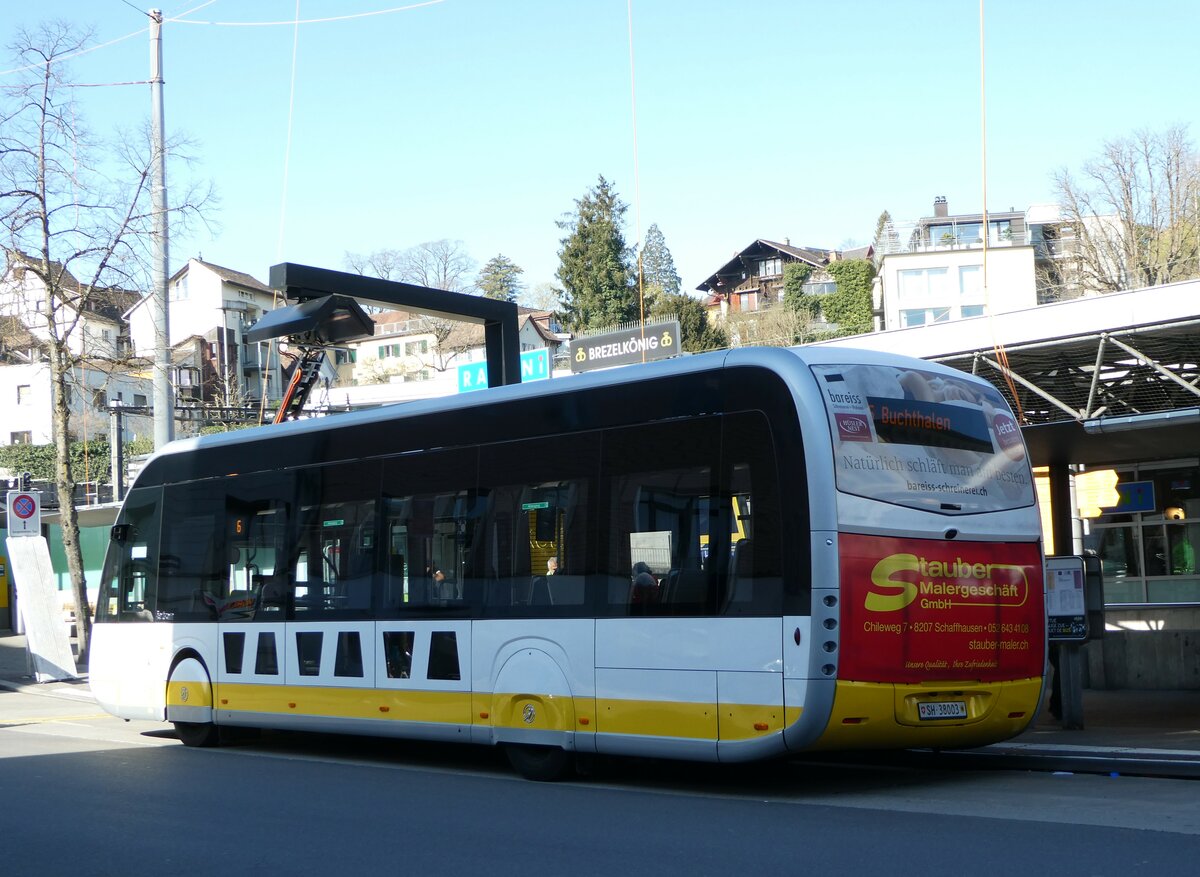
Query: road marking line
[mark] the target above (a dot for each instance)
(48, 719)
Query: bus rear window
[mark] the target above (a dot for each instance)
(923, 439)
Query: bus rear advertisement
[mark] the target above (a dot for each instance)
(917, 611)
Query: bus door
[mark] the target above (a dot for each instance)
(428, 593)
(330, 636)
(697, 658)
(250, 602)
(656, 671)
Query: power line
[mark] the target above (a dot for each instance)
(134, 8)
(62, 58)
(295, 22)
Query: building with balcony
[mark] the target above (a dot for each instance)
(743, 293)
(944, 267)
(753, 279)
(217, 305)
(88, 317)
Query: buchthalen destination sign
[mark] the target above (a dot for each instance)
(628, 346)
(535, 366)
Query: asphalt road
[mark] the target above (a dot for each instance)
(84, 793)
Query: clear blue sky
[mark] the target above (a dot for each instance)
(484, 120)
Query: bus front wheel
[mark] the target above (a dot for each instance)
(539, 763)
(196, 733)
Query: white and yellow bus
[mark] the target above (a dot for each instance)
(759, 552)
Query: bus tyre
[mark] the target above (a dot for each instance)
(541, 764)
(197, 733)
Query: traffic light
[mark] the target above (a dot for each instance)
(26, 481)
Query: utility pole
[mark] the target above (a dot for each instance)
(116, 436)
(164, 403)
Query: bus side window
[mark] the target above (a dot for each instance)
(667, 540)
(429, 526)
(397, 652)
(756, 582)
(537, 498)
(337, 538)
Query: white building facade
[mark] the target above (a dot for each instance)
(218, 304)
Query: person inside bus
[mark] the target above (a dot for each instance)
(539, 587)
(644, 587)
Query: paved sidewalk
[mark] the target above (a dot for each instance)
(1120, 727)
(16, 673)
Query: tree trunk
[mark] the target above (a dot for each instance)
(60, 360)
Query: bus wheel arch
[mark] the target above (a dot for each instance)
(190, 700)
(534, 715)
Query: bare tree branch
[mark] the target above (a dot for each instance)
(76, 224)
(1134, 213)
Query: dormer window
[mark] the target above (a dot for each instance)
(770, 267)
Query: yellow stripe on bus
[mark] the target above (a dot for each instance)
(698, 721)
(350, 703)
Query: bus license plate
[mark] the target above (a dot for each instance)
(942, 709)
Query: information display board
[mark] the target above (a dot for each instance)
(1066, 600)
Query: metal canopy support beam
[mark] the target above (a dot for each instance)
(300, 283)
(1145, 360)
(1033, 388)
(1096, 376)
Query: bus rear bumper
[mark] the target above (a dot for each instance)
(949, 715)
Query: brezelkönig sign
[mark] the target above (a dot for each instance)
(625, 347)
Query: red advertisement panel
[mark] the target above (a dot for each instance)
(917, 610)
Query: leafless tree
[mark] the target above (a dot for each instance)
(542, 297)
(1132, 218)
(775, 325)
(384, 264)
(440, 264)
(77, 222)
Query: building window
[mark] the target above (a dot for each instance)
(820, 287)
(972, 310)
(956, 234)
(923, 284)
(770, 267)
(970, 281)
(422, 375)
(186, 376)
(1001, 231)
(389, 350)
(748, 301)
(21, 437)
(1150, 556)
(416, 348)
(24, 394)
(99, 399)
(922, 316)
(139, 400)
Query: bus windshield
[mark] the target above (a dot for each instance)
(924, 440)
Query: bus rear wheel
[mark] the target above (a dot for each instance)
(541, 764)
(197, 733)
